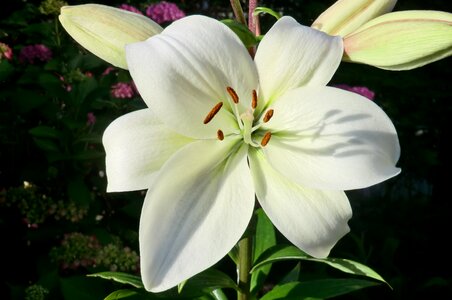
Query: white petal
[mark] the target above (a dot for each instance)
(313, 220)
(137, 145)
(197, 210)
(291, 55)
(183, 73)
(327, 138)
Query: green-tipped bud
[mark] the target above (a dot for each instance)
(401, 40)
(105, 30)
(345, 16)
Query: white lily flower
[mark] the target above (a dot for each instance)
(222, 128)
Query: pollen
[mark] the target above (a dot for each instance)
(233, 94)
(220, 135)
(268, 115)
(213, 112)
(254, 100)
(266, 139)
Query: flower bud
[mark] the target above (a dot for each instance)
(105, 30)
(401, 40)
(345, 16)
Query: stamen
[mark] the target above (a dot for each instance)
(213, 112)
(233, 94)
(220, 135)
(254, 100)
(266, 139)
(268, 115)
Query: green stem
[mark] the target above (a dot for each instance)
(244, 267)
(238, 11)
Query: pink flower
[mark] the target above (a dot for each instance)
(34, 53)
(107, 71)
(164, 12)
(5, 51)
(123, 90)
(362, 90)
(130, 8)
(90, 119)
(65, 85)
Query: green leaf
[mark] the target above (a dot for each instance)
(266, 10)
(208, 281)
(234, 254)
(88, 155)
(265, 234)
(121, 278)
(26, 100)
(218, 295)
(46, 145)
(6, 70)
(317, 289)
(292, 276)
(80, 287)
(245, 35)
(265, 238)
(132, 295)
(121, 294)
(285, 252)
(79, 192)
(45, 132)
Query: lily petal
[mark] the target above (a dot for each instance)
(328, 138)
(105, 30)
(137, 145)
(291, 55)
(313, 220)
(196, 211)
(183, 73)
(345, 16)
(401, 40)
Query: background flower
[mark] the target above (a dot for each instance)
(35, 53)
(362, 90)
(130, 8)
(123, 90)
(5, 52)
(162, 12)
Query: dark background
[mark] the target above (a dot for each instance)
(400, 228)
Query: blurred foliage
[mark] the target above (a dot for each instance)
(52, 172)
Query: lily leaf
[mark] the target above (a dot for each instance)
(260, 10)
(264, 239)
(245, 35)
(207, 281)
(45, 132)
(317, 289)
(132, 295)
(121, 278)
(286, 252)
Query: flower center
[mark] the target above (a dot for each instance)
(249, 127)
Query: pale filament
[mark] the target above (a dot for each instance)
(244, 120)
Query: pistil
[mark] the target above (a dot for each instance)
(247, 119)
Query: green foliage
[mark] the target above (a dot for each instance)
(58, 223)
(284, 252)
(316, 289)
(245, 35)
(265, 238)
(120, 277)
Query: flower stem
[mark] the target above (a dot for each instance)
(251, 19)
(244, 267)
(238, 11)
